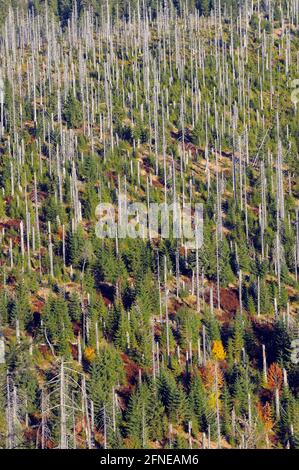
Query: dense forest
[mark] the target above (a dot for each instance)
(144, 343)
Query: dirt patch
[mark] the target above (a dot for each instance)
(229, 301)
(37, 305)
(131, 370)
(11, 223)
(174, 305)
(132, 375)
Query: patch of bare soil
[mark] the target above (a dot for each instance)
(229, 302)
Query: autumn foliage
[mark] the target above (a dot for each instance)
(218, 350)
(265, 414)
(89, 354)
(208, 376)
(275, 377)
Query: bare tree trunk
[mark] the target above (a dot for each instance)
(166, 311)
(63, 435)
(217, 408)
(264, 364)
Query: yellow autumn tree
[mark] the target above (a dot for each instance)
(89, 354)
(208, 376)
(218, 350)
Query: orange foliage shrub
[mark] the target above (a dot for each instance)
(265, 413)
(275, 377)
